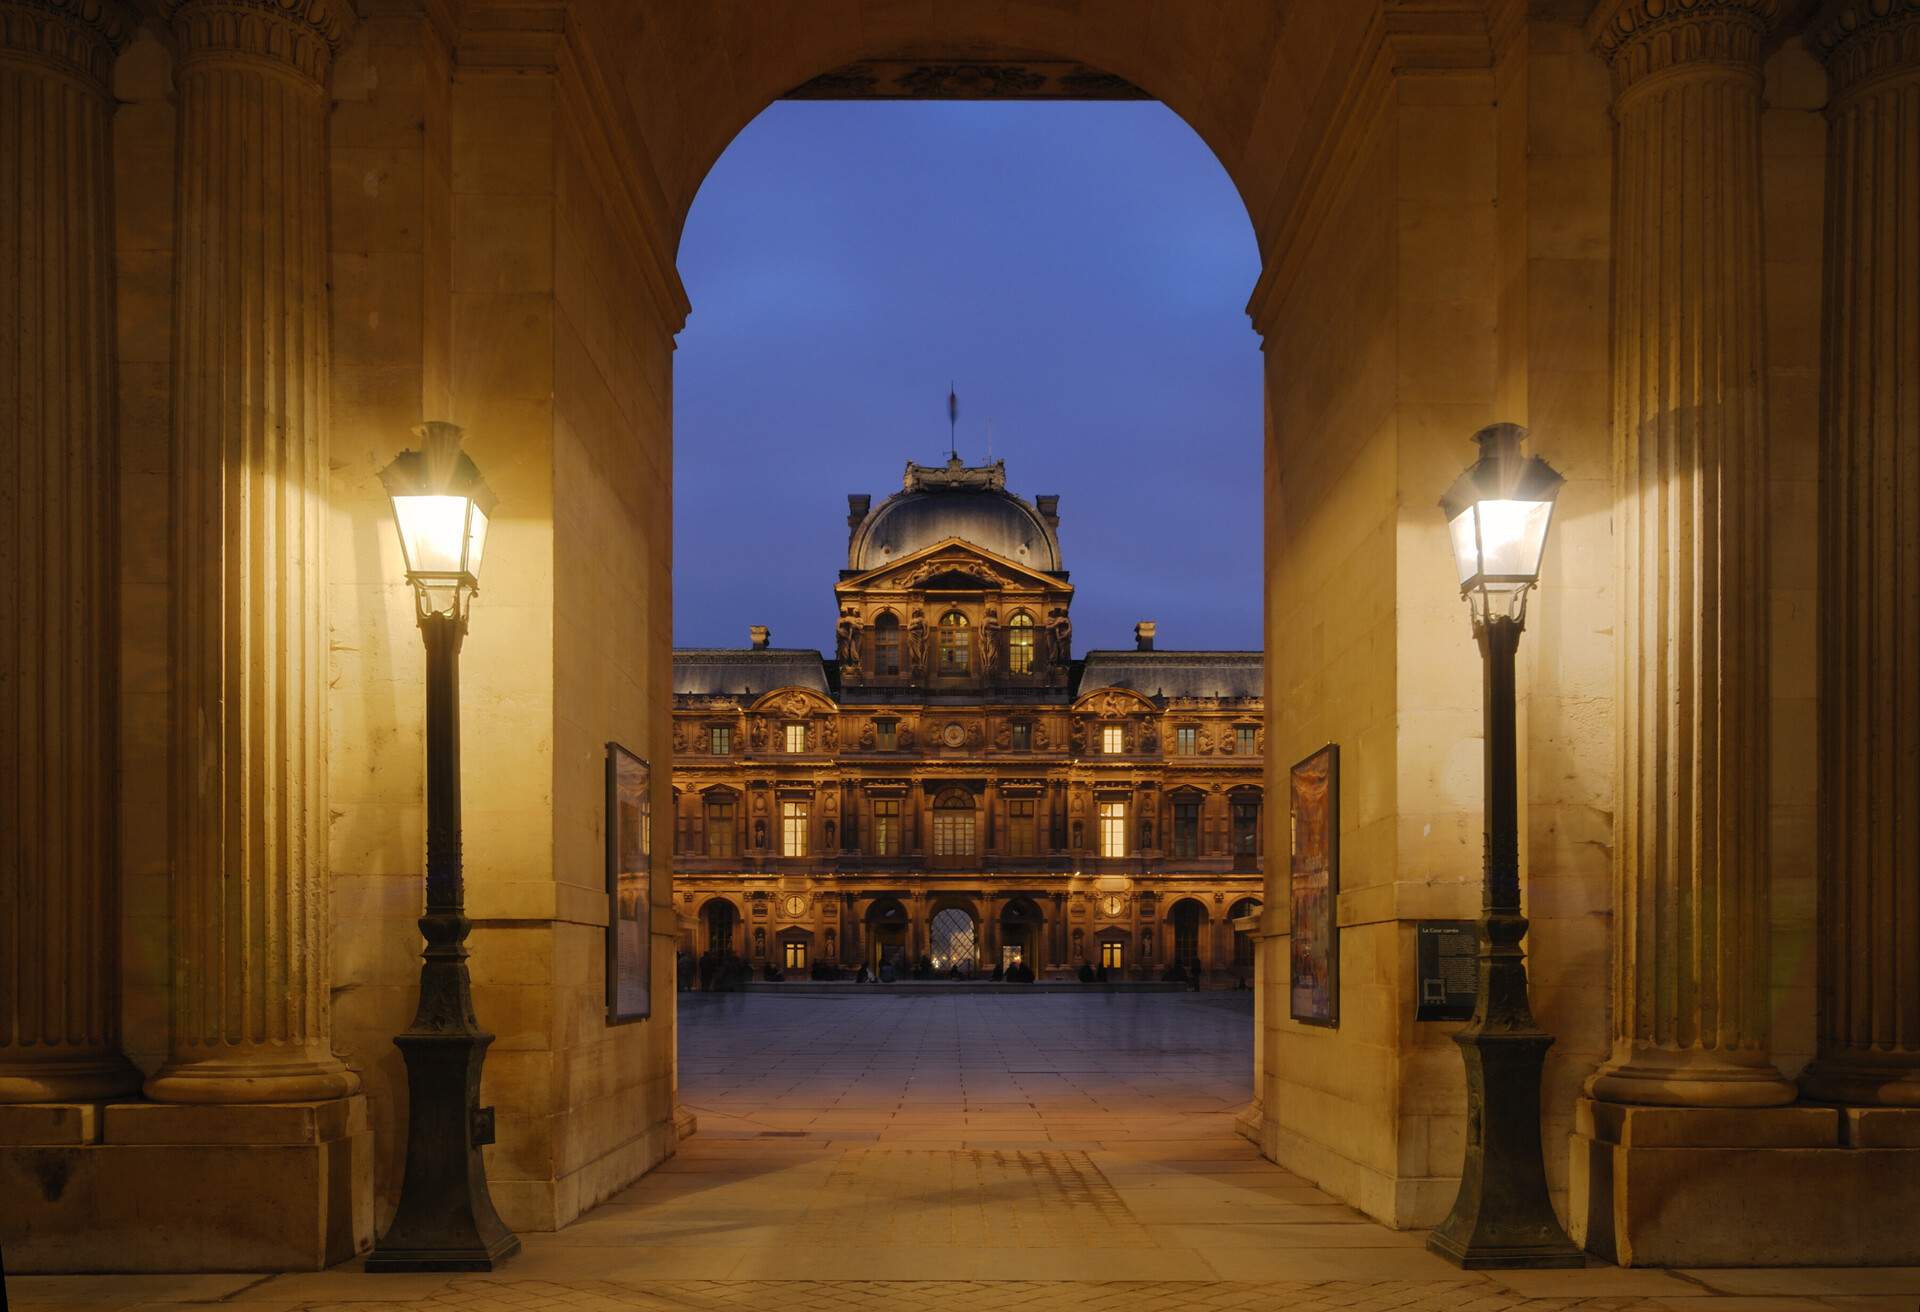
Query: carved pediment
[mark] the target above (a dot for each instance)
(795, 703)
(954, 563)
(1115, 701)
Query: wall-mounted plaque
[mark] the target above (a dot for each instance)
(629, 886)
(1313, 876)
(1447, 956)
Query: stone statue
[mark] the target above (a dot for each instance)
(1059, 637)
(867, 739)
(903, 737)
(759, 735)
(917, 642)
(849, 643)
(829, 734)
(990, 641)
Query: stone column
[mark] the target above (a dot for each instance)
(249, 899)
(59, 946)
(1869, 1017)
(1690, 925)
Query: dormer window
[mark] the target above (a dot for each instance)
(954, 643)
(1020, 643)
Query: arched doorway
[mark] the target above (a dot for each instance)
(722, 920)
(1022, 931)
(1189, 920)
(886, 933)
(953, 940)
(1243, 945)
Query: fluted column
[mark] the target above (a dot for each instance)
(249, 901)
(59, 1003)
(1869, 1017)
(1690, 954)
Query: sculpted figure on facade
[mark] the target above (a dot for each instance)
(903, 736)
(848, 646)
(990, 641)
(917, 642)
(867, 739)
(1059, 637)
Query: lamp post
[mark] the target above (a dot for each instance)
(445, 1220)
(1497, 514)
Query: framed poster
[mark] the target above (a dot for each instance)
(1313, 878)
(629, 886)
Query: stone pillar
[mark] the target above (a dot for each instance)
(249, 898)
(59, 1001)
(1690, 925)
(1869, 1016)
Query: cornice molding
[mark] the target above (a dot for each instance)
(1641, 39)
(76, 37)
(299, 36)
(1863, 41)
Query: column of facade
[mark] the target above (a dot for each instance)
(1690, 962)
(1869, 1014)
(249, 901)
(59, 1004)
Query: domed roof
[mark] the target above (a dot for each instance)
(957, 501)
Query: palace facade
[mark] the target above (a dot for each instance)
(954, 783)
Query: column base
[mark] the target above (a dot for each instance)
(1770, 1186)
(1864, 1081)
(1690, 1079)
(240, 1080)
(144, 1187)
(81, 1079)
(1251, 1123)
(685, 1123)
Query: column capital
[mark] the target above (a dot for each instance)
(79, 37)
(1642, 38)
(1865, 40)
(300, 36)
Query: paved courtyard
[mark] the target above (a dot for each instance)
(1019, 1150)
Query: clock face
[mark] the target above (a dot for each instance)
(1115, 904)
(796, 905)
(953, 735)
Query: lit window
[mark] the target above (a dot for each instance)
(1020, 643)
(886, 826)
(1246, 828)
(954, 642)
(1020, 826)
(793, 828)
(796, 955)
(1023, 735)
(796, 738)
(1243, 740)
(720, 739)
(1186, 829)
(1113, 956)
(720, 827)
(1185, 740)
(953, 824)
(885, 734)
(886, 644)
(1113, 829)
(1113, 739)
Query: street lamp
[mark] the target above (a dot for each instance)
(445, 1220)
(1497, 517)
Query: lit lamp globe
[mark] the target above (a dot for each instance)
(440, 507)
(1498, 513)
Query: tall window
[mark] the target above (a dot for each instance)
(796, 954)
(1023, 735)
(1185, 740)
(720, 739)
(886, 734)
(1243, 740)
(720, 826)
(1246, 828)
(1021, 834)
(796, 738)
(1186, 828)
(886, 826)
(954, 641)
(1113, 739)
(886, 644)
(1113, 955)
(1113, 829)
(793, 828)
(1020, 643)
(953, 823)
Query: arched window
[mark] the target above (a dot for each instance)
(953, 823)
(886, 643)
(1020, 643)
(954, 641)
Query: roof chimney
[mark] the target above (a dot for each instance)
(1049, 508)
(1143, 636)
(760, 634)
(857, 504)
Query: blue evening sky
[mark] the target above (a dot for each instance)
(1080, 271)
